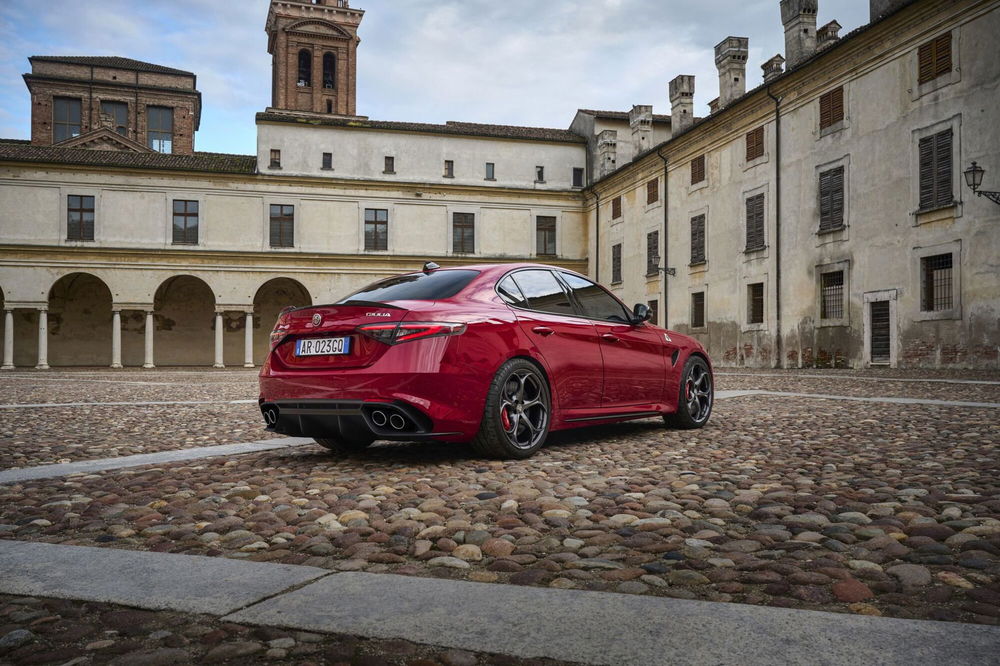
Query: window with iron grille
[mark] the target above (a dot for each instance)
(936, 170)
(185, 222)
(449, 168)
(119, 112)
(698, 239)
(831, 295)
(390, 164)
(66, 118)
(490, 171)
(755, 223)
(936, 283)
(934, 58)
(616, 208)
(652, 191)
(654, 311)
(463, 233)
(80, 218)
(652, 253)
(831, 108)
(545, 235)
(755, 144)
(698, 309)
(577, 176)
(831, 199)
(616, 263)
(698, 169)
(755, 303)
(160, 128)
(327, 160)
(282, 225)
(376, 229)
(275, 159)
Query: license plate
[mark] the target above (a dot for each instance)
(322, 346)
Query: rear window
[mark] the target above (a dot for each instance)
(415, 287)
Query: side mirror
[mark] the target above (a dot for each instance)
(642, 314)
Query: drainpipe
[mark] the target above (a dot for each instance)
(666, 238)
(778, 346)
(597, 236)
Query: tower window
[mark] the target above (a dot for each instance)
(66, 114)
(275, 159)
(119, 115)
(329, 71)
(305, 68)
(160, 128)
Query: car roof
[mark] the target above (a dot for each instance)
(496, 270)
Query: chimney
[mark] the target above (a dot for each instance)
(799, 19)
(607, 152)
(773, 68)
(827, 35)
(681, 102)
(882, 8)
(731, 59)
(640, 119)
(713, 107)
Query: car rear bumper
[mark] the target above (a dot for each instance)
(326, 418)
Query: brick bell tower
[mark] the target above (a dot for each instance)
(313, 46)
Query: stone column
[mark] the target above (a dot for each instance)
(116, 338)
(218, 341)
(43, 339)
(150, 324)
(8, 339)
(248, 342)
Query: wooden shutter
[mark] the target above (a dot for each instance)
(926, 149)
(925, 63)
(831, 199)
(616, 208)
(698, 169)
(698, 239)
(616, 263)
(934, 58)
(936, 170)
(755, 222)
(652, 191)
(831, 108)
(755, 143)
(652, 253)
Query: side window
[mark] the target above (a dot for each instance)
(509, 292)
(595, 302)
(543, 292)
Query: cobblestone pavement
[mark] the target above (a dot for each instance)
(54, 631)
(869, 508)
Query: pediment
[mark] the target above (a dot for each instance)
(320, 28)
(104, 138)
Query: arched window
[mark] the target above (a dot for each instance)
(305, 68)
(329, 71)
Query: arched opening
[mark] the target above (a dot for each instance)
(305, 68)
(272, 297)
(79, 321)
(184, 319)
(329, 71)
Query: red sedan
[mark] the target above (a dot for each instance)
(495, 355)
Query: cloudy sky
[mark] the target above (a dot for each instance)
(515, 62)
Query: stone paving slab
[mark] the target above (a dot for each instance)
(157, 581)
(610, 628)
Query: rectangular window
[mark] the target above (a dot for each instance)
(755, 303)
(755, 223)
(616, 208)
(275, 159)
(490, 171)
(539, 174)
(160, 128)
(652, 253)
(185, 222)
(831, 199)
(935, 170)
(545, 235)
(463, 233)
(755, 144)
(66, 118)
(616, 263)
(831, 295)
(698, 169)
(577, 176)
(936, 284)
(698, 309)
(449, 168)
(652, 191)
(119, 116)
(390, 164)
(698, 239)
(831, 108)
(654, 312)
(80, 218)
(328, 160)
(282, 225)
(934, 58)
(376, 229)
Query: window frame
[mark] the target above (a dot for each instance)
(616, 208)
(561, 276)
(755, 146)
(329, 73)
(281, 219)
(327, 163)
(467, 224)
(539, 174)
(616, 263)
(154, 110)
(756, 304)
(698, 171)
(57, 122)
(934, 58)
(653, 267)
(81, 210)
(490, 170)
(540, 247)
(274, 160)
(304, 69)
(578, 177)
(389, 164)
(652, 192)
(693, 302)
(449, 169)
(831, 294)
(943, 78)
(186, 215)
(938, 148)
(747, 199)
(831, 109)
(830, 200)
(946, 211)
(954, 248)
(703, 259)
(844, 268)
(376, 223)
(121, 130)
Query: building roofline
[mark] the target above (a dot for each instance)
(112, 62)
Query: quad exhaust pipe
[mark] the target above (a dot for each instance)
(379, 418)
(388, 418)
(397, 421)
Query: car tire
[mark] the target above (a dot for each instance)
(695, 397)
(517, 414)
(343, 444)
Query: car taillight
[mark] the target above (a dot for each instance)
(278, 334)
(393, 333)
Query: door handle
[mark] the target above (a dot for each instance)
(542, 330)
(610, 337)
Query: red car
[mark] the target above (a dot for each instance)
(495, 355)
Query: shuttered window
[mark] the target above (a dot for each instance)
(936, 170)
(831, 199)
(936, 283)
(652, 253)
(616, 208)
(698, 239)
(831, 298)
(463, 233)
(755, 223)
(282, 225)
(934, 58)
(755, 144)
(698, 309)
(80, 218)
(755, 303)
(376, 229)
(616, 263)
(652, 191)
(831, 108)
(698, 169)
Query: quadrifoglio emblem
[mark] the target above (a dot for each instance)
(317, 319)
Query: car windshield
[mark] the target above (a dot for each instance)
(414, 287)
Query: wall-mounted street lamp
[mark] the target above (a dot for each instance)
(669, 271)
(974, 178)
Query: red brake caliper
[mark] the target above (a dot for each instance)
(504, 419)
